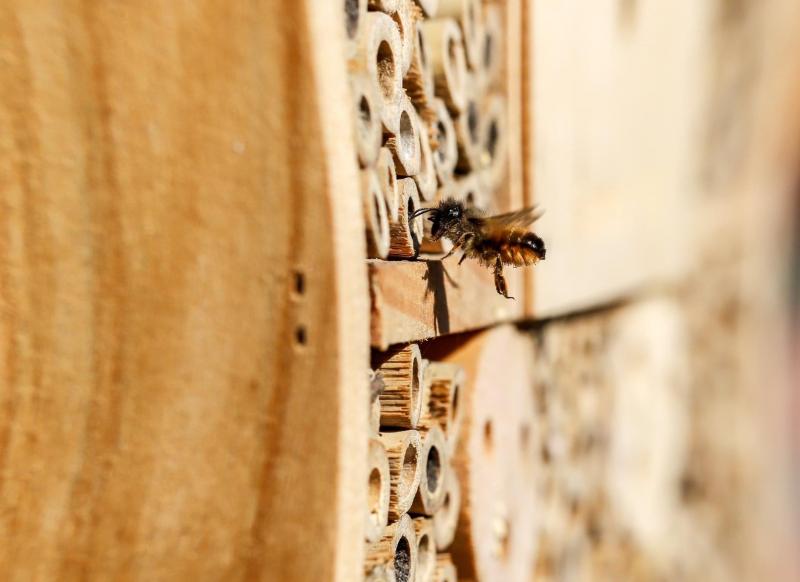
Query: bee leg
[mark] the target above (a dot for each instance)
(499, 280)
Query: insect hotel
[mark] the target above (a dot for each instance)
(274, 306)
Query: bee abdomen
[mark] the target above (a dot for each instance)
(521, 248)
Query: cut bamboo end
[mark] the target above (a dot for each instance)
(442, 37)
(404, 451)
(493, 143)
(431, 492)
(404, 142)
(426, 549)
(387, 6)
(402, 370)
(395, 553)
(445, 151)
(427, 183)
(368, 127)
(379, 486)
(418, 82)
(406, 17)
(445, 570)
(443, 384)
(354, 13)
(445, 519)
(377, 220)
(379, 55)
(405, 234)
(387, 177)
(468, 136)
(492, 46)
(469, 14)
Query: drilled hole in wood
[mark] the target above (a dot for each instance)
(299, 283)
(472, 121)
(409, 468)
(491, 142)
(364, 113)
(488, 50)
(300, 335)
(351, 17)
(441, 139)
(447, 502)
(487, 435)
(471, 198)
(424, 557)
(433, 470)
(386, 66)
(402, 560)
(374, 494)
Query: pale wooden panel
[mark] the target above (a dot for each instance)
(165, 172)
(615, 98)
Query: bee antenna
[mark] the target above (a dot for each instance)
(420, 211)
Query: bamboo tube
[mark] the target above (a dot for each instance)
(406, 17)
(404, 450)
(401, 368)
(442, 37)
(492, 46)
(395, 553)
(445, 156)
(445, 519)
(387, 176)
(493, 143)
(354, 13)
(387, 6)
(405, 236)
(427, 184)
(418, 82)
(404, 143)
(468, 136)
(445, 570)
(379, 49)
(426, 549)
(430, 495)
(377, 516)
(375, 213)
(369, 132)
(443, 383)
(469, 14)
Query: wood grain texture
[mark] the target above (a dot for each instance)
(165, 249)
(414, 300)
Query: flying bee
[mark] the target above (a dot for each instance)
(494, 241)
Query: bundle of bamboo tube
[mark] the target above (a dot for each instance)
(414, 500)
(429, 112)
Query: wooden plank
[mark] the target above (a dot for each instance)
(182, 345)
(417, 300)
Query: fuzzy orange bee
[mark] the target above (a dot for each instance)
(494, 241)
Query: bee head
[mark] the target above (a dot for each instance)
(444, 217)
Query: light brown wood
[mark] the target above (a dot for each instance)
(493, 46)
(433, 464)
(404, 450)
(404, 142)
(379, 57)
(467, 125)
(406, 17)
(395, 554)
(426, 549)
(354, 13)
(401, 368)
(173, 184)
(495, 539)
(443, 384)
(367, 115)
(387, 176)
(469, 14)
(405, 235)
(492, 143)
(418, 82)
(427, 184)
(387, 6)
(446, 56)
(429, 7)
(445, 519)
(445, 154)
(445, 569)
(424, 299)
(375, 212)
(378, 488)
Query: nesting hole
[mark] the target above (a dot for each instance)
(423, 52)
(300, 335)
(424, 556)
(491, 141)
(386, 69)
(470, 198)
(407, 135)
(351, 17)
(299, 283)
(364, 113)
(441, 139)
(409, 468)
(376, 208)
(433, 470)
(488, 51)
(472, 121)
(447, 502)
(488, 435)
(375, 494)
(402, 560)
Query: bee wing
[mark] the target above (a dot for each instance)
(516, 219)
